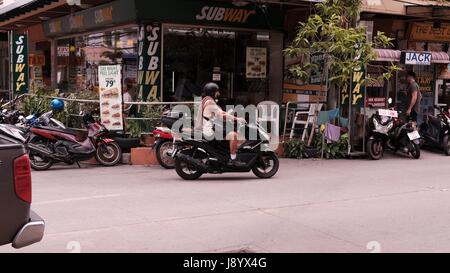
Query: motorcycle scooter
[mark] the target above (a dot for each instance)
(48, 145)
(388, 131)
(164, 147)
(436, 130)
(197, 157)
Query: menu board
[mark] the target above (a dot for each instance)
(256, 63)
(110, 85)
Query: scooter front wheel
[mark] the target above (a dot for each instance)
(375, 148)
(267, 166)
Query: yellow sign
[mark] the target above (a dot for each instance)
(426, 32)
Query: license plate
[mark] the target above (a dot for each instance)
(388, 113)
(414, 135)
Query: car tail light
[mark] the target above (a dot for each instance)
(22, 178)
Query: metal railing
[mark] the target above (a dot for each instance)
(169, 105)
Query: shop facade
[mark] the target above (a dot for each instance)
(170, 50)
(419, 46)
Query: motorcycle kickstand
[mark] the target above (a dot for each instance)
(78, 163)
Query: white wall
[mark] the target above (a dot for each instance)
(11, 4)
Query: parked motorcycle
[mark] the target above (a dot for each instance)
(388, 131)
(436, 130)
(164, 147)
(11, 115)
(108, 150)
(48, 145)
(197, 157)
(167, 143)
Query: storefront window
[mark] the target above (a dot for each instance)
(237, 60)
(4, 70)
(425, 79)
(78, 58)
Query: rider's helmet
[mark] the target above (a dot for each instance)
(210, 89)
(57, 105)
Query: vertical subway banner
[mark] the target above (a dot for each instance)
(149, 65)
(20, 63)
(358, 87)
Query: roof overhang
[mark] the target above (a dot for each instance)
(27, 13)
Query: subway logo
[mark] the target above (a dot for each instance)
(230, 15)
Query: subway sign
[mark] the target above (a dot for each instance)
(19, 47)
(416, 58)
(227, 15)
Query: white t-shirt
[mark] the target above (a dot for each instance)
(127, 98)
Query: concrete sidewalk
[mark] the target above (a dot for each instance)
(396, 204)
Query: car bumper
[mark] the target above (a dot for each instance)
(30, 233)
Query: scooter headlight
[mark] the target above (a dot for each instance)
(381, 128)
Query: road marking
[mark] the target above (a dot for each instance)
(78, 199)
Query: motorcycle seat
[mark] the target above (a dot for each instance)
(79, 133)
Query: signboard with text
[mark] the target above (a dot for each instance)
(19, 47)
(149, 63)
(109, 77)
(256, 67)
(427, 32)
(416, 58)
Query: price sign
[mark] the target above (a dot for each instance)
(110, 84)
(388, 113)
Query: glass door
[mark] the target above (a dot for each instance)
(238, 61)
(194, 57)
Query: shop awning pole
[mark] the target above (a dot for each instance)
(11, 84)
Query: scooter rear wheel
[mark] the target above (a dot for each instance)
(415, 150)
(267, 166)
(164, 159)
(108, 154)
(186, 170)
(37, 162)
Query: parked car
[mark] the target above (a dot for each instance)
(20, 226)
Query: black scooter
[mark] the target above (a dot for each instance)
(197, 157)
(436, 130)
(387, 131)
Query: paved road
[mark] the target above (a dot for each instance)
(396, 204)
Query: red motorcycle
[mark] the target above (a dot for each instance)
(164, 147)
(49, 145)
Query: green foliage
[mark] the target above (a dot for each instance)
(153, 114)
(333, 150)
(298, 149)
(331, 31)
(134, 128)
(295, 149)
(39, 102)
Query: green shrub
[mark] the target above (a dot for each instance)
(295, 149)
(333, 150)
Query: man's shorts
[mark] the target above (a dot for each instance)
(412, 116)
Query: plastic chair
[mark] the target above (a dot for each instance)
(309, 121)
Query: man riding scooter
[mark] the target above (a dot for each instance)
(207, 152)
(210, 110)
